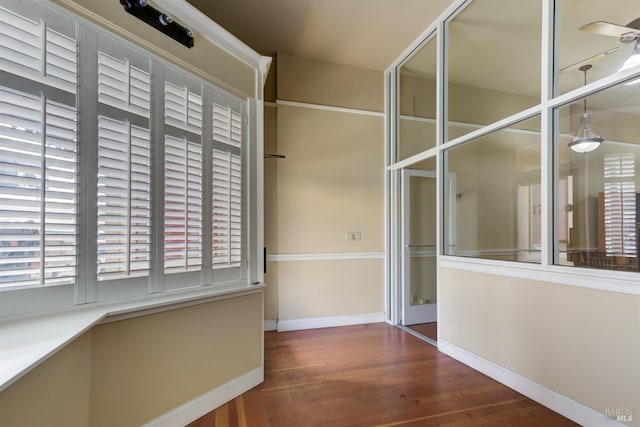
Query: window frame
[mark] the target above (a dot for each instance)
(87, 290)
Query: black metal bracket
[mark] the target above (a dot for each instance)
(159, 20)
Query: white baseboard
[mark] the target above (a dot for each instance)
(270, 325)
(329, 322)
(559, 403)
(209, 401)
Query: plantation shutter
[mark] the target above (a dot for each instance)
(124, 169)
(38, 154)
(227, 210)
(620, 204)
(227, 126)
(30, 49)
(182, 205)
(38, 190)
(123, 86)
(183, 108)
(124, 202)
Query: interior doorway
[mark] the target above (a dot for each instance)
(419, 306)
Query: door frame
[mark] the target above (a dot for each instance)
(411, 314)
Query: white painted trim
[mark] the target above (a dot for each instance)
(329, 322)
(604, 280)
(264, 66)
(270, 104)
(559, 403)
(213, 32)
(326, 256)
(270, 325)
(209, 401)
(329, 108)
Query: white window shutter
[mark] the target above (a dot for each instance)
(38, 190)
(124, 200)
(123, 86)
(620, 204)
(30, 49)
(182, 205)
(182, 108)
(227, 210)
(227, 126)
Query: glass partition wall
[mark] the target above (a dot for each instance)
(417, 101)
(530, 111)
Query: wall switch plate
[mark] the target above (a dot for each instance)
(354, 236)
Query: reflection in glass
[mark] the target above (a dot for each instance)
(417, 127)
(493, 61)
(585, 35)
(493, 195)
(597, 207)
(422, 241)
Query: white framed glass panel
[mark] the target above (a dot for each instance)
(493, 62)
(417, 101)
(597, 207)
(493, 198)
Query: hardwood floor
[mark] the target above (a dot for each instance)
(372, 375)
(429, 330)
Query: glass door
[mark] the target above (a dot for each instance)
(419, 260)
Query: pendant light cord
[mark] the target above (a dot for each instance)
(584, 69)
(585, 83)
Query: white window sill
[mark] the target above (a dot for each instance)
(26, 341)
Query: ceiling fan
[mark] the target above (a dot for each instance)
(627, 34)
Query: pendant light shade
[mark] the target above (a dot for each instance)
(631, 62)
(586, 139)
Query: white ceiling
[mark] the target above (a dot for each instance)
(364, 33)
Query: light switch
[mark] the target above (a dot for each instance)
(354, 236)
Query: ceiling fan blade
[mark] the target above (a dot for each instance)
(607, 29)
(634, 24)
(595, 57)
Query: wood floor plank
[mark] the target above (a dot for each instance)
(375, 375)
(222, 416)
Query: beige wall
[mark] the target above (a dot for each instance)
(271, 209)
(129, 372)
(316, 82)
(331, 182)
(150, 365)
(54, 394)
(579, 342)
(204, 59)
(310, 289)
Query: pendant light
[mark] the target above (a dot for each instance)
(586, 139)
(632, 61)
